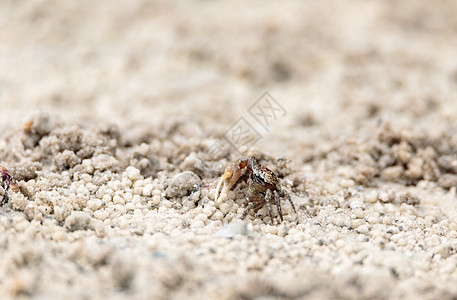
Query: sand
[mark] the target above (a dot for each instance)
(118, 118)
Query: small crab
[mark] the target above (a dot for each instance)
(7, 181)
(263, 185)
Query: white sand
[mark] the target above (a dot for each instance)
(126, 99)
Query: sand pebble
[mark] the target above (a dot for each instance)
(182, 184)
(101, 214)
(363, 229)
(77, 220)
(236, 227)
(133, 173)
(198, 224)
(346, 183)
(94, 204)
(130, 206)
(209, 210)
(117, 199)
(147, 190)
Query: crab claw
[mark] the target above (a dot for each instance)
(231, 175)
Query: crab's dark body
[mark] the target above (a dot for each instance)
(7, 179)
(264, 188)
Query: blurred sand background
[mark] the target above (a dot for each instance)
(125, 95)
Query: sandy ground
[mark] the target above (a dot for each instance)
(110, 112)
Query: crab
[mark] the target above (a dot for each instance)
(263, 185)
(7, 182)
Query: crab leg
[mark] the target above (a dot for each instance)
(268, 196)
(251, 205)
(278, 204)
